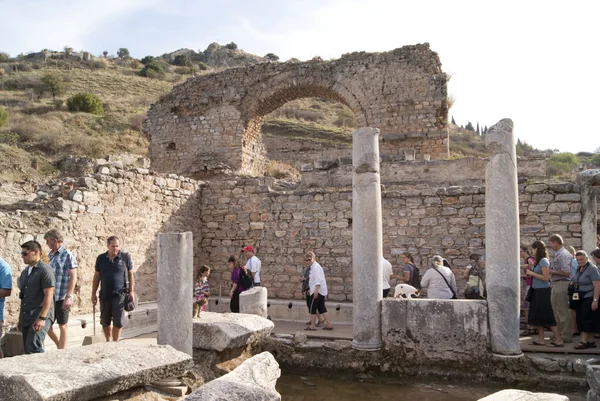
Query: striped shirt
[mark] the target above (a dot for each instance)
(561, 262)
(62, 261)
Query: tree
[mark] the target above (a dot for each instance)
(147, 59)
(123, 53)
(85, 102)
(469, 127)
(4, 57)
(453, 120)
(54, 84)
(272, 57)
(231, 46)
(182, 60)
(68, 51)
(595, 160)
(105, 53)
(477, 130)
(3, 116)
(154, 69)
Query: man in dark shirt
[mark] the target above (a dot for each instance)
(37, 298)
(114, 271)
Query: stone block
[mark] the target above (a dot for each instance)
(521, 395)
(221, 331)
(254, 379)
(306, 168)
(76, 195)
(94, 371)
(254, 301)
(436, 329)
(568, 197)
(536, 188)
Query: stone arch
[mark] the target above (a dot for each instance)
(253, 152)
(210, 124)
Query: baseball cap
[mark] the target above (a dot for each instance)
(248, 248)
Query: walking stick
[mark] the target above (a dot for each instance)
(94, 317)
(220, 301)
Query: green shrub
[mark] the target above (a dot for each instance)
(85, 102)
(147, 59)
(182, 60)
(272, 57)
(4, 57)
(123, 53)
(3, 116)
(231, 46)
(202, 66)
(595, 160)
(153, 69)
(561, 164)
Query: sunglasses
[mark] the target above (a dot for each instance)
(308, 260)
(25, 253)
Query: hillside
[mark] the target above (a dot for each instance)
(41, 131)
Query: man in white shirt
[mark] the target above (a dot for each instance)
(252, 264)
(386, 268)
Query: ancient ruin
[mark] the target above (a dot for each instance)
(211, 123)
(207, 182)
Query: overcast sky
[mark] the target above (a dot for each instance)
(536, 62)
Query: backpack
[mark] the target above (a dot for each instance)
(415, 279)
(246, 279)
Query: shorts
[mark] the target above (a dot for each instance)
(61, 316)
(112, 309)
(317, 304)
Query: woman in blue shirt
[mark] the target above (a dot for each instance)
(540, 308)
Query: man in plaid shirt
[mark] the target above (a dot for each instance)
(64, 265)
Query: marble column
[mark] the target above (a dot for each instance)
(366, 240)
(589, 209)
(502, 239)
(175, 283)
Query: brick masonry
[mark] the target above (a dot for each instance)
(211, 124)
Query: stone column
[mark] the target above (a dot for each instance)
(589, 209)
(175, 290)
(502, 239)
(366, 240)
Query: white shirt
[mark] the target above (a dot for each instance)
(386, 268)
(253, 264)
(317, 277)
(435, 284)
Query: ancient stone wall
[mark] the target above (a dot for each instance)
(211, 123)
(422, 218)
(424, 221)
(133, 205)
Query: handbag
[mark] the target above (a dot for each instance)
(529, 295)
(447, 283)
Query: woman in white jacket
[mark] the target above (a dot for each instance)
(439, 281)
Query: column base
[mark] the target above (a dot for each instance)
(366, 347)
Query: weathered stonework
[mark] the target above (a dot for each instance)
(422, 218)
(424, 221)
(134, 205)
(211, 124)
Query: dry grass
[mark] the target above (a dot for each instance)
(281, 170)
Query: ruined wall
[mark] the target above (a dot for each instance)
(421, 218)
(133, 205)
(211, 123)
(338, 172)
(424, 221)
